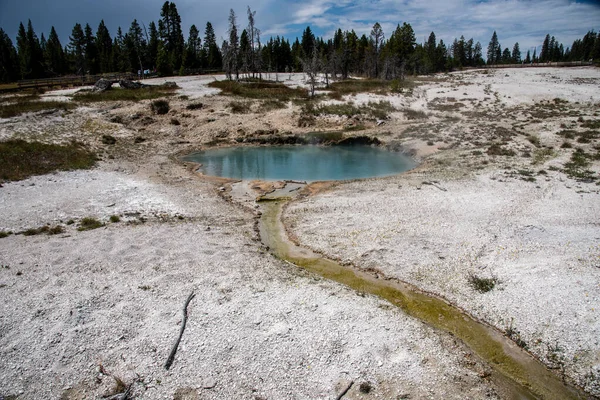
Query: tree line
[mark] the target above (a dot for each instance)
(160, 48)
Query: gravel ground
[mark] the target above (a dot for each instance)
(84, 310)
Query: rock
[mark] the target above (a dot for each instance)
(170, 85)
(209, 383)
(127, 84)
(102, 85)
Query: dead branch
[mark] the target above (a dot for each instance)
(176, 344)
(345, 391)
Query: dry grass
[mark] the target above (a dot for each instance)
(354, 86)
(116, 94)
(26, 104)
(20, 159)
(259, 90)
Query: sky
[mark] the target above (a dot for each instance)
(523, 21)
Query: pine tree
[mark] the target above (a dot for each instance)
(163, 62)
(91, 51)
(516, 54)
(31, 59)
(211, 49)
(169, 30)
(493, 50)
(377, 37)
(245, 55)
(152, 45)
(192, 53)
(478, 55)
(545, 53)
(307, 42)
(104, 48)
(506, 56)
(55, 55)
(77, 49)
(9, 61)
(528, 58)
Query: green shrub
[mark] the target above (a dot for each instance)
(482, 285)
(108, 139)
(160, 107)
(114, 218)
(89, 223)
(194, 106)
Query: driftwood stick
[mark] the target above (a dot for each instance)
(345, 391)
(176, 344)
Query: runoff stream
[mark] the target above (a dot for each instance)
(519, 374)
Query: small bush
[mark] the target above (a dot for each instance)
(534, 140)
(108, 139)
(114, 218)
(576, 167)
(411, 114)
(4, 234)
(380, 110)
(160, 107)
(540, 156)
(89, 223)
(270, 105)
(365, 387)
(497, 150)
(240, 107)
(56, 230)
(194, 106)
(482, 285)
(566, 145)
(44, 229)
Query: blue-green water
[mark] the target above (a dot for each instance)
(304, 163)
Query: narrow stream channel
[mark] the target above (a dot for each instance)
(515, 371)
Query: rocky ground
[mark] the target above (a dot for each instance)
(89, 313)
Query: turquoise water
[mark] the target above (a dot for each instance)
(305, 163)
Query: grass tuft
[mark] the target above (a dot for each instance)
(194, 106)
(270, 105)
(482, 285)
(89, 223)
(497, 150)
(240, 107)
(160, 107)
